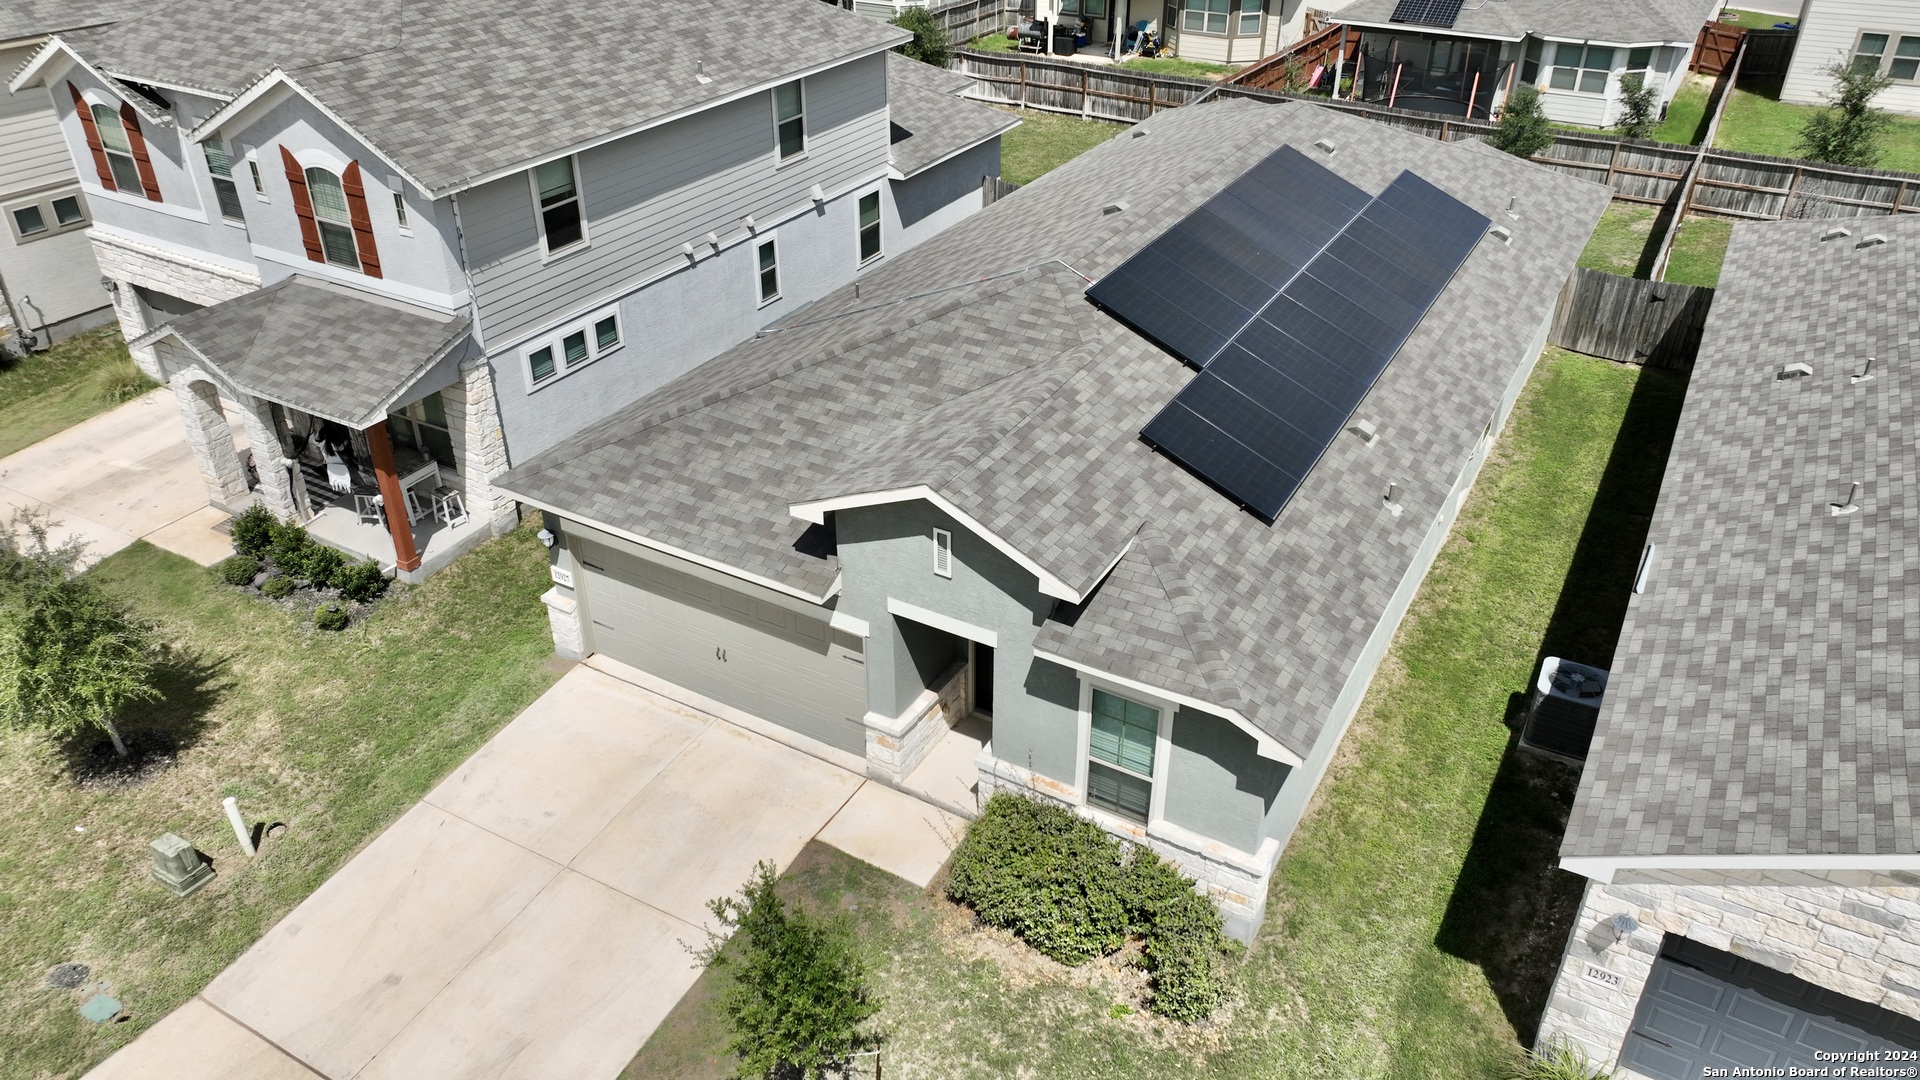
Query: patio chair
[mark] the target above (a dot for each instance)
(369, 509)
(449, 506)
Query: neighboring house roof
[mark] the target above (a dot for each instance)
(975, 367)
(455, 92)
(1620, 22)
(1764, 696)
(25, 19)
(327, 349)
(931, 122)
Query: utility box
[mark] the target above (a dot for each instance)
(178, 866)
(1564, 709)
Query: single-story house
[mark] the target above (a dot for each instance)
(936, 525)
(1442, 56)
(1747, 816)
(1877, 35)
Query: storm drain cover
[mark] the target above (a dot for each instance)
(67, 976)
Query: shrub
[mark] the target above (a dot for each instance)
(1045, 873)
(252, 531)
(930, 44)
(330, 616)
(1559, 1061)
(322, 565)
(238, 569)
(1182, 932)
(1522, 130)
(1848, 130)
(289, 548)
(797, 1001)
(361, 583)
(1639, 105)
(278, 586)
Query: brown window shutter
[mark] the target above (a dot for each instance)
(93, 138)
(303, 206)
(362, 221)
(138, 142)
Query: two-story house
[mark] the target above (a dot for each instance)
(410, 245)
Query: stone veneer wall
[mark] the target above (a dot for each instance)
(897, 745)
(127, 263)
(1858, 939)
(479, 444)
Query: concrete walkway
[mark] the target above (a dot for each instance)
(529, 918)
(122, 476)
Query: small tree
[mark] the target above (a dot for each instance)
(70, 656)
(1639, 105)
(1847, 131)
(1522, 130)
(930, 44)
(797, 1001)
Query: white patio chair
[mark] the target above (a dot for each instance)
(369, 509)
(449, 506)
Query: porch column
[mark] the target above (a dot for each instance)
(381, 450)
(269, 458)
(211, 441)
(133, 323)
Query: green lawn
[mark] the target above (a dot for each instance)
(1417, 918)
(1699, 250)
(1173, 65)
(56, 389)
(1758, 122)
(1753, 20)
(994, 43)
(1045, 141)
(1619, 242)
(1686, 120)
(334, 734)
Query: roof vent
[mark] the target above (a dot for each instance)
(1795, 370)
(700, 72)
(1114, 207)
(1325, 145)
(1872, 240)
(1838, 232)
(1141, 130)
(1563, 710)
(1365, 430)
(1392, 500)
(818, 194)
(1866, 372)
(1502, 234)
(1847, 506)
(1513, 207)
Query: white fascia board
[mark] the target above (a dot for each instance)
(16, 43)
(31, 71)
(1402, 28)
(273, 88)
(846, 623)
(669, 549)
(1604, 42)
(816, 512)
(668, 118)
(178, 88)
(898, 175)
(1602, 869)
(1266, 745)
(977, 634)
(38, 70)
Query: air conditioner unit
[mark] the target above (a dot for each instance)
(1563, 710)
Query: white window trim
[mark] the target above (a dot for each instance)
(44, 201)
(259, 178)
(1162, 751)
(806, 134)
(1887, 57)
(766, 240)
(943, 546)
(1621, 52)
(880, 223)
(540, 219)
(402, 216)
(553, 338)
(213, 181)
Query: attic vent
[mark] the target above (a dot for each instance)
(1836, 233)
(1795, 370)
(943, 553)
(1325, 145)
(1502, 234)
(1392, 500)
(1365, 430)
(1866, 372)
(1872, 240)
(1513, 207)
(700, 72)
(1114, 207)
(1142, 130)
(1848, 505)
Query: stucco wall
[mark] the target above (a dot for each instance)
(942, 196)
(1217, 784)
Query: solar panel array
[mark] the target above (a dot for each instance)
(1291, 291)
(1426, 12)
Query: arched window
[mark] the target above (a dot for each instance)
(331, 215)
(113, 139)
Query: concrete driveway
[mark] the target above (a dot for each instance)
(122, 476)
(529, 917)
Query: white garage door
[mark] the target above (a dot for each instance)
(776, 663)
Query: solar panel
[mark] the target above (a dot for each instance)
(1275, 393)
(1426, 12)
(1196, 285)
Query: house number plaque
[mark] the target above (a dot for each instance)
(1601, 975)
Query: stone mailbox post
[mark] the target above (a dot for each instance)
(177, 865)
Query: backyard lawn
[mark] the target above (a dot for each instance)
(1045, 141)
(53, 390)
(1699, 250)
(1758, 122)
(1686, 119)
(333, 734)
(1753, 20)
(1619, 242)
(1417, 918)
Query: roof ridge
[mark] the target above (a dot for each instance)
(1211, 661)
(1026, 404)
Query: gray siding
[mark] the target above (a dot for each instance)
(646, 195)
(942, 196)
(1217, 784)
(53, 280)
(32, 154)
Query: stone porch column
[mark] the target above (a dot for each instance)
(276, 490)
(211, 441)
(479, 444)
(133, 323)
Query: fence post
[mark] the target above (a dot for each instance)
(1793, 188)
(1086, 99)
(1023, 84)
(1899, 196)
(1613, 164)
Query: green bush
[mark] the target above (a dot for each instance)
(1523, 130)
(361, 583)
(289, 548)
(330, 616)
(322, 565)
(1181, 929)
(252, 531)
(278, 586)
(1559, 1061)
(930, 44)
(238, 569)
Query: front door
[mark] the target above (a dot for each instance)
(983, 678)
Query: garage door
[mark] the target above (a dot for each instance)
(778, 664)
(1703, 1008)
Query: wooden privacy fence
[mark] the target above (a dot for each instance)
(993, 189)
(1630, 320)
(969, 19)
(1768, 52)
(1713, 50)
(1095, 93)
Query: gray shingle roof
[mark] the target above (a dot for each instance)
(1627, 22)
(455, 91)
(35, 18)
(999, 385)
(936, 124)
(322, 348)
(1765, 698)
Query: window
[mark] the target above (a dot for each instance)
(1120, 752)
(1088, 9)
(1530, 66)
(1581, 68)
(49, 215)
(790, 120)
(1249, 21)
(113, 139)
(66, 211)
(1901, 63)
(1205, 16)
(400, 209)
(423, 426)
(331, 216)
(769, 273)
(943, 553)
(571, 347)
(29, 220)
(557, 191)
(259, 185)
(220, 167)
(869, 227)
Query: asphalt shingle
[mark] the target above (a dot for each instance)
(1637, 22)
(930, 122)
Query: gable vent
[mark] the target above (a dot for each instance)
(1795, 370)
(943, 553)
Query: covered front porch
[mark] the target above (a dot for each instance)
(379, 441)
